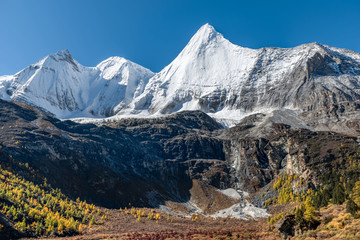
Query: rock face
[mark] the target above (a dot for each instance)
(151, 161)
(339, 117)
(114, 166)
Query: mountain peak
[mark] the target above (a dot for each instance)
(202, 38)
(112, 61)
(206, 32)
(207, 26)
(61, 55)
(117, 59)
(113, 67)
(204, 35)
(64, 52)
(117, 63)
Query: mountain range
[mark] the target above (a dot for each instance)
(210, 74)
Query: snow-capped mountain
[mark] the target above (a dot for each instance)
(213, 75)
(210, 74)
(65, 88)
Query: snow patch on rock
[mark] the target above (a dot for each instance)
(230, 192)
(243, 210)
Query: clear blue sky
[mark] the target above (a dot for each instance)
(152, 32)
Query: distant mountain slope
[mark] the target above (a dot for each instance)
(65, 88)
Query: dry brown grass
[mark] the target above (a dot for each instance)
(124, 225)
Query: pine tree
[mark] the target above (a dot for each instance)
(338, 195)
(299, 214)
(80, 228)
(60, 228)
(356, 193)
(351, 207)
(84, 219)
(92, 221)
(38, 228)
(309, 213)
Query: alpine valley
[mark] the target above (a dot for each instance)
(222, 136)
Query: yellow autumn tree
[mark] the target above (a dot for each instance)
(309, 213)
(356, 193)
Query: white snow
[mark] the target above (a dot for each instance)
(243, 210)
(230, 192)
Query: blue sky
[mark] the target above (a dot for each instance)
(152, 32)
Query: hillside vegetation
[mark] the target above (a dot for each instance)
(338, 192)
(29, 206)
